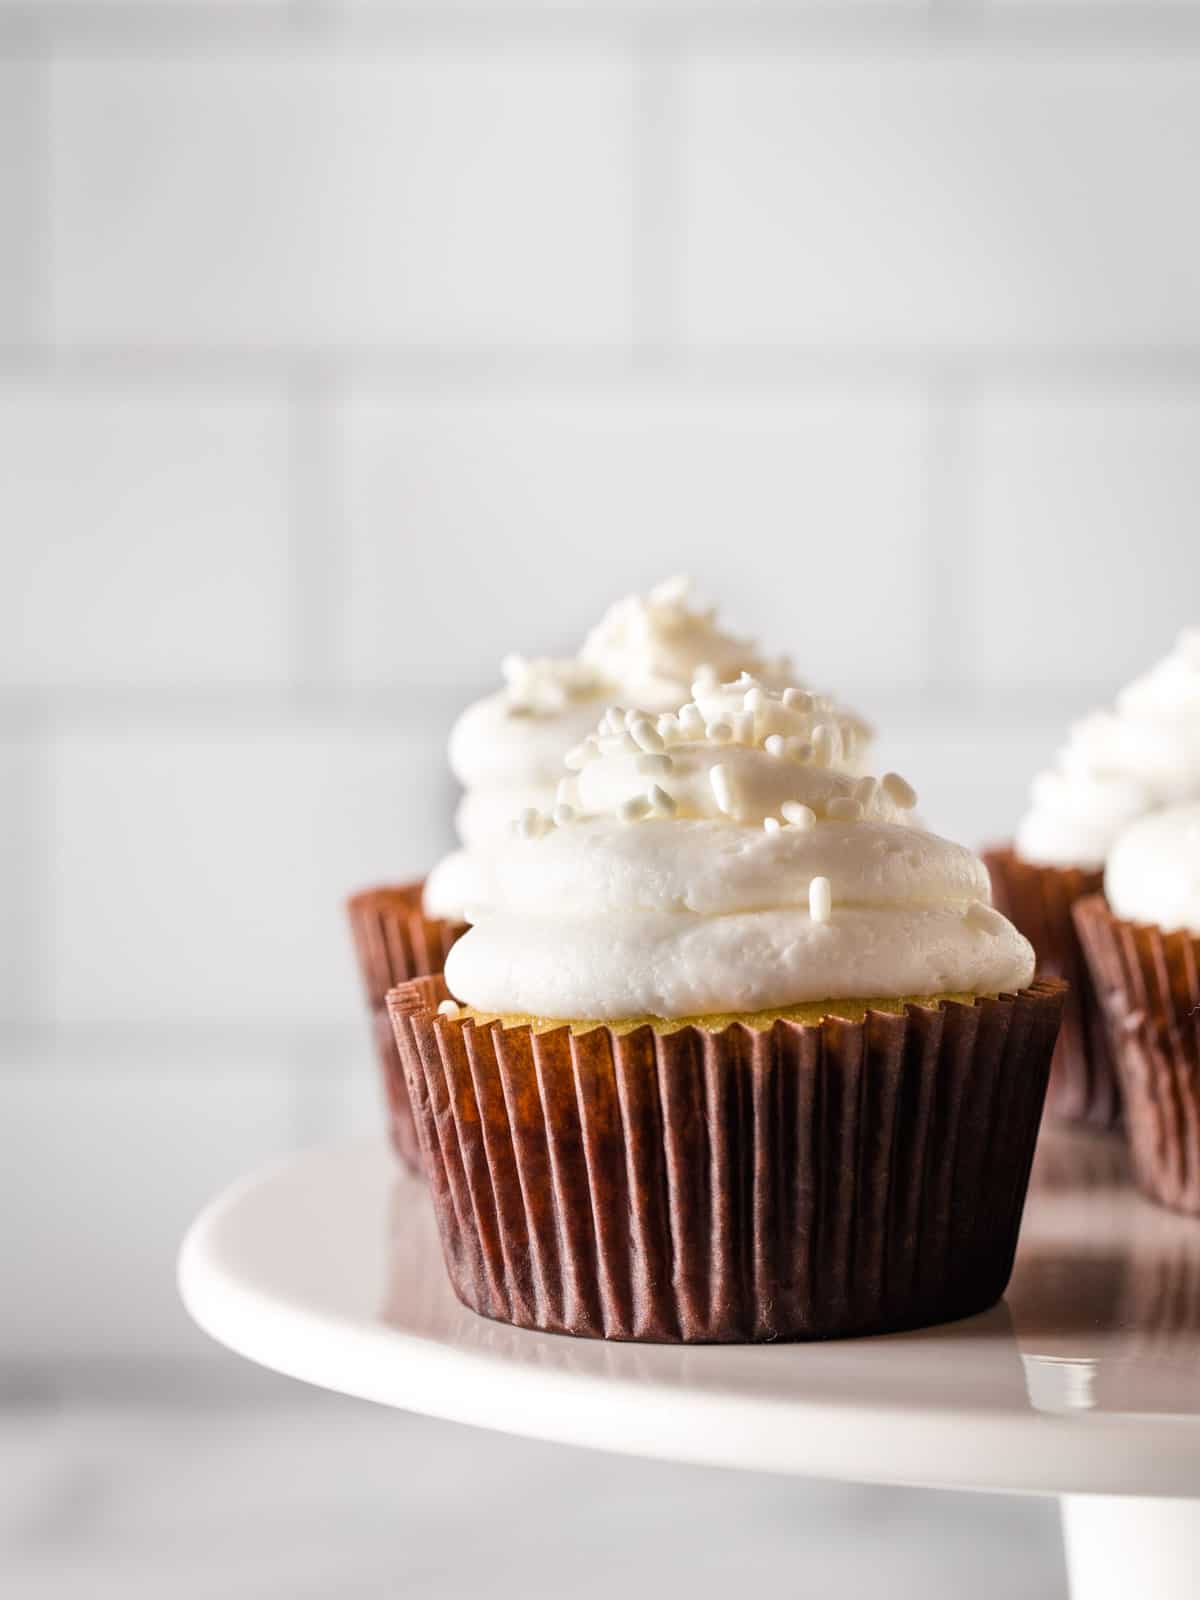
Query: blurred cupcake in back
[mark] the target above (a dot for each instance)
(1116, 766)
(508, 749)
(395, 941)
(1142, 940)
(508, 752)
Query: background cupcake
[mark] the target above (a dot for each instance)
(1142, 939)
(395, 941)
(1116, 766)
(750, 1078)
(507, 750)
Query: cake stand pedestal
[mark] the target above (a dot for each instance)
(1084, 1382)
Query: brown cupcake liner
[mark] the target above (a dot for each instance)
(1084, 1087)
(802, 1182)
(1148, 981)
(395, 942)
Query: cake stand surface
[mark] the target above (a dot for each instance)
(1083, 1382)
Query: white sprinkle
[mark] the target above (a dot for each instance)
(661, 801)
(755, 699)
(615, 718)
(634, 809)
(798, 814)
(843, 809)
(742, 681)
(823, 744)
(447, 1008)
(633, 715)
(742, 723)
(646, 736)
(864, 791)
(562, 795)
(563, 814)
(691, 722)
(671, 591)
(629, 744)
(771, 824)
(575, 760)
(774, 744)
(721, 780)
(797, 700)
(899, 792)
(668, 726)
(718, 732)
(531, 824)
(654, 766)
(820, 900)
(985, 918)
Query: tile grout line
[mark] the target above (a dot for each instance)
(317, 577)
(949, 397)
(89, 28)
(469, 366)
(35, 873)
(43, 308)
(656, 215)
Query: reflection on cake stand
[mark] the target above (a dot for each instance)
(1105, 1301)
(1085, 1382)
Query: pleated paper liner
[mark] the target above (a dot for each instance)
(1148, 981)
(1083, 1081)
(806, 1181)
(394, 941)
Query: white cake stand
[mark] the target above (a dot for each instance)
(1084, 1382)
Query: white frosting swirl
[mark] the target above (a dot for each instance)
(1119, 764)
(1153, 872)
(651, 647)
(726, 860)
(507, 749)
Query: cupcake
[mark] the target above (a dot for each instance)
(394, 941)
(1116, 766)
(507, 750)
(738, 1053)
(1142, 940)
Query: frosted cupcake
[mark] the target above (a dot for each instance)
(737, 1054)
(395, 941)
(1116, 766)
(508, 750)
(1142, 940)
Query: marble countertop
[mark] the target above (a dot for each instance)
(301, 1496)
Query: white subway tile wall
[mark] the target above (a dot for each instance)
(346, 346)
(104, 1168)
(535, 502)
(197, 874)
(315, 199)
(146, 533)
(1085, 517)
(973, 194)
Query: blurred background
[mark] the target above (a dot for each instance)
(345, 347)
